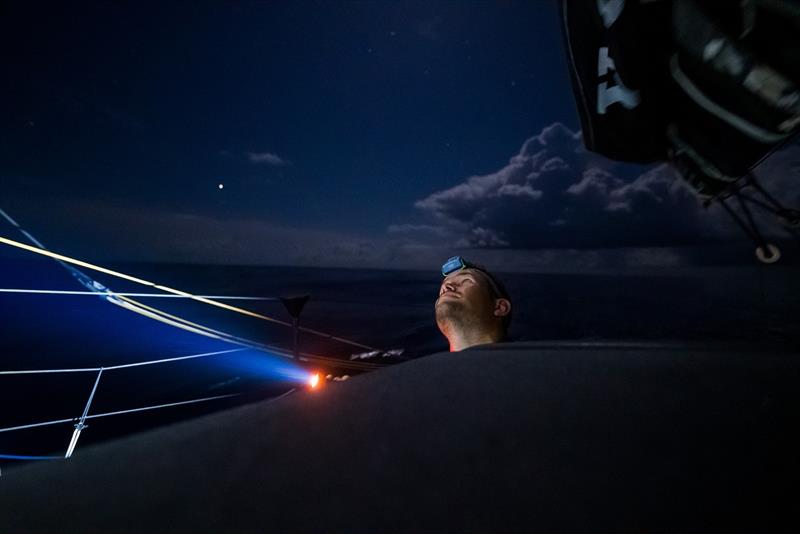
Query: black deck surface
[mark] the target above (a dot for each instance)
(516, 437)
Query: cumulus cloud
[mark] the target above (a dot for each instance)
(555, 194)
(482, 237)
(267, 158)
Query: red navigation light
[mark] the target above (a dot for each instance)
(313, 381)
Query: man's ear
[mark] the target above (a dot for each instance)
(502, 307)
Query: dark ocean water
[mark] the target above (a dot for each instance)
(386, 309)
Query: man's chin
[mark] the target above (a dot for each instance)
(449, 303)
(449, 309)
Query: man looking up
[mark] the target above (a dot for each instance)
(473, 308)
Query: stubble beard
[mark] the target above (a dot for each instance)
(452, 315)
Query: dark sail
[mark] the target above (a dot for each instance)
(712, 83)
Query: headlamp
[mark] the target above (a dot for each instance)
(453, 264)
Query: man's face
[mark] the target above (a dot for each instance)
(465, 297)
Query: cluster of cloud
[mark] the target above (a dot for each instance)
(267, 158)
(555, 194)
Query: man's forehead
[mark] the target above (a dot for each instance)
(467, 271)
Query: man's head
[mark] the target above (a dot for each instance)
(473, 305)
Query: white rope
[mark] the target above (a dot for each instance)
(111, 293)
(123, 366)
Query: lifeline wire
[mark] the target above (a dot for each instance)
(120, 412)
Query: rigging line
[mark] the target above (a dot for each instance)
(110, 293)
(228, 337)
(122, 366)
(179, 323)
(67, 259)
(132, 305)
(16, 225)
(176, 321)
(79, 276)
(117, 274)
(119, 412)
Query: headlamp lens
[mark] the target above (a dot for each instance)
(452, 265)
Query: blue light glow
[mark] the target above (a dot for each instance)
(269, 366)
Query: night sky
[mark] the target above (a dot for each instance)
(382, 134)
